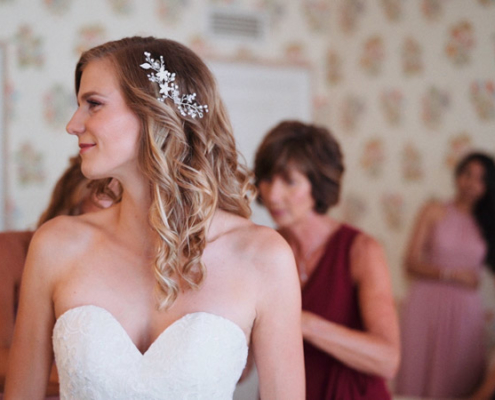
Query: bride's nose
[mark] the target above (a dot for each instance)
(76, 124)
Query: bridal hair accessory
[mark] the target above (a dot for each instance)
(169, 89)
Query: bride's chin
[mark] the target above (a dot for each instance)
(92, 173)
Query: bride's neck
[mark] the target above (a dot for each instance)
(133, 212)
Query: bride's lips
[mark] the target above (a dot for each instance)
(85, 147)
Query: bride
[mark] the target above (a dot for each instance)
(160, 295)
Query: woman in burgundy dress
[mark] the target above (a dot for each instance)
(349, 322)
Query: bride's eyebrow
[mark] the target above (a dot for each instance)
(85, 95)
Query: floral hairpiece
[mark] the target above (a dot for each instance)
(169, 89)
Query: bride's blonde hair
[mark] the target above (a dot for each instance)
(191, 163)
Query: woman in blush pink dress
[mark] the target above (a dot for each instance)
(442, 318)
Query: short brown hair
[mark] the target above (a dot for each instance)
(312, 150)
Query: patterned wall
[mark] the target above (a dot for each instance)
(46, 37)
(411, 88)
(407, 87)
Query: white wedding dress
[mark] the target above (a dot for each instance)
(199, 357)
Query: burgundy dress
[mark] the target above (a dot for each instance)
(331, 293)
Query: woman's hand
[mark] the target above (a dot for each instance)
(306, 318)
(465, 277)
(309, 320)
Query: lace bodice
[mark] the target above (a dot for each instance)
(201, 356)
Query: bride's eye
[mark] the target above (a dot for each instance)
(93, 103)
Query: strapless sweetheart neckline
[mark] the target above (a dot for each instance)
(200, 356)
(185, 316)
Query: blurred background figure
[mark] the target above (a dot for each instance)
(73, 194)
(349, 321)
(443, 317)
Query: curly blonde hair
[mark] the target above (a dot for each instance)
(192, 164)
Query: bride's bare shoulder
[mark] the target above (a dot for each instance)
(266, 242)
(267, 264)
(263, 248)
(69, 235)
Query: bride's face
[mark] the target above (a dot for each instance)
(107, 130)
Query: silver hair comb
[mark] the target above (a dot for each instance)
(168, 89)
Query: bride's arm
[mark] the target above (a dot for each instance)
(277, 337)
(31, 352)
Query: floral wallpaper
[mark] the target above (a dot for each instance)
(408, 87)
(44, 39)
(410, 91)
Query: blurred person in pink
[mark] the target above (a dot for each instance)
(442, 316)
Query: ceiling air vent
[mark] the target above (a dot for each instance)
(237, 25)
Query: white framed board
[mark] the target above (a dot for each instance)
(259, 96)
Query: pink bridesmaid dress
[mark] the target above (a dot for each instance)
(443, 349)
